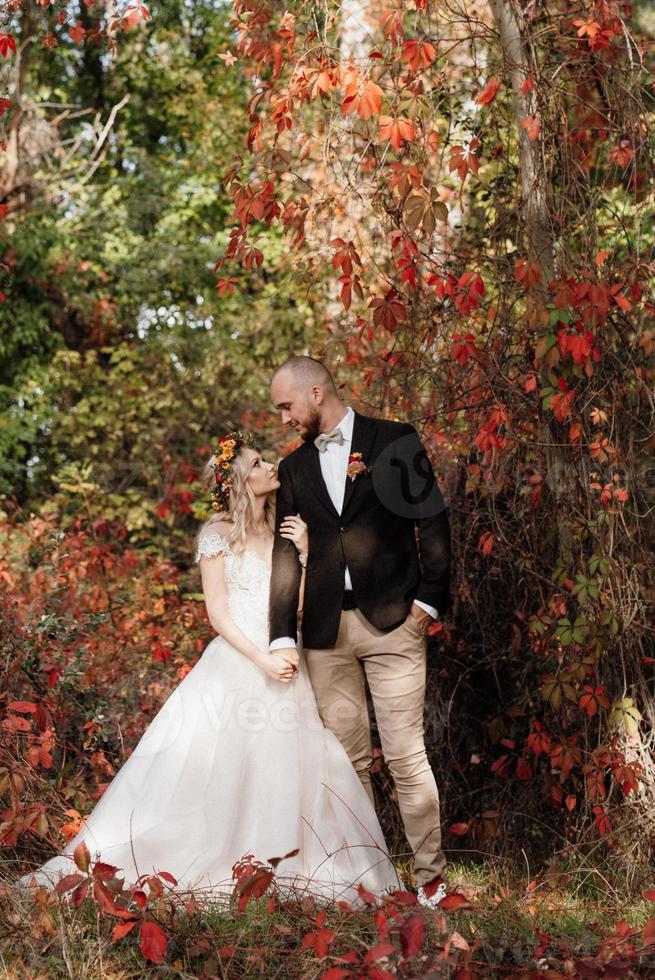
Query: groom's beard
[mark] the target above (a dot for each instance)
(313, 427)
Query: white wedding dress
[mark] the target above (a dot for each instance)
(237, 763)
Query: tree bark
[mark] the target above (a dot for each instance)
(11, 176)
(534, 209)
(560, 473)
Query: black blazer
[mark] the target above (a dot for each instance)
(375, 535)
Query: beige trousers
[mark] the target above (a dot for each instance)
(394, 665)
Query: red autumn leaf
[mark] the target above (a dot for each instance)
(378, 951)
(391, 22)
(153, 942)
(101, 870)
(459, 829)
(463, 160)
(67, 882)
(603, 822)
(464, 348)
(418, 54)
(523, 770)
(589, 27)
(532, 126)
(7, 43)
(470, 286)
(649, 932)
(226, 284)
(319, 941)
(402, 897)
(364, 98)
(254, 886)
(80, 893)
(121, 929)
(622, 154)
(16, 724)
(486, 542)
(366, 896)
(396, 130)
(77, 33)
(623, 303)
(431, 887)
(489, 92)
(412, 934)
(649, 895)
(104, 897)
(167, 876)
(529, 273)
(25, 706)
(454, 901)
(561, 404)
(388, 312)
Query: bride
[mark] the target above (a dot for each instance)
(237, 761)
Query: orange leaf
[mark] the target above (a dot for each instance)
(489, 92)
(81, 856)
(486, 542)
(25, 706)
(396, 130)
(532, 126)
(417, 54)
(364, 98)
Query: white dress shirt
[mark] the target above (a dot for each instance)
(334, 467)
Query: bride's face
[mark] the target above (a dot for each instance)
(262, 476)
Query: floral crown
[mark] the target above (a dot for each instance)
(228, 447)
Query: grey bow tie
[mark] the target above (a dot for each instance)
(322, 440)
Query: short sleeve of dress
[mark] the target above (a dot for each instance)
(210, 544)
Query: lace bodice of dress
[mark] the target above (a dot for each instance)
(247, 579)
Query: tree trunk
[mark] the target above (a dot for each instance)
(11, 176)
(536, 219)
(539, 238)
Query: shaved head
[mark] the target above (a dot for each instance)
(304, 393)
(305, 372)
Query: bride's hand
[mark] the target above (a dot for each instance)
(277, 666)
(294, 529)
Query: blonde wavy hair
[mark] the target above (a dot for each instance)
(241, 503)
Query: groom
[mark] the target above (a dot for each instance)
(366, 491)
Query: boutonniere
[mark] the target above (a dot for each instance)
(356, 466)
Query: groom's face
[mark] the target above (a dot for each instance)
(298, 408)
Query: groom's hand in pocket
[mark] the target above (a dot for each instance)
(423, 618)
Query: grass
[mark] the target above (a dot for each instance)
(518, 925)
